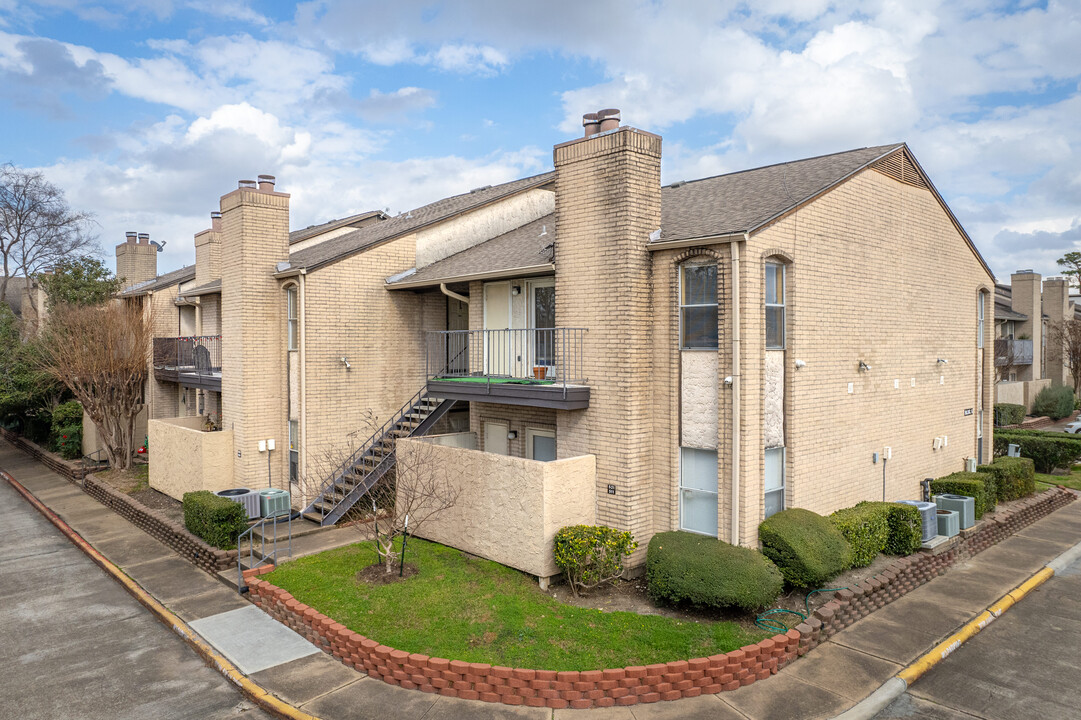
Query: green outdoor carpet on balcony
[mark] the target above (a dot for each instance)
(496, 381)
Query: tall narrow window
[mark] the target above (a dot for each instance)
(774, 480)
(698, 491)
(698, 307)
(294, 451)
(291, 299)
(980, 303)
(774, 305)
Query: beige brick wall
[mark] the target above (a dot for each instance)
(210, 314)
(207, 256)
(518, 418)
(136, 262)
(607, 203)
(348, 313)
(255, 237)
(878, 273)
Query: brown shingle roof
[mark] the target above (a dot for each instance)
(312, 230)
(744, 201)
(161, 281)
(214, 286)
(365, 237)
(523, 247)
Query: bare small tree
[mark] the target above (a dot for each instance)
(1007, 359)
(99, 352)
(414, 490)
(1067, 335)
(38, 228)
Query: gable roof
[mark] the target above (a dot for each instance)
(313, 230)
(365, 237)
(750, 200)
(521, 249)
(161, 281)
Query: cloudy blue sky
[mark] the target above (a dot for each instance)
(146, 112)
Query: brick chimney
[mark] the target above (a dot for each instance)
(254, 237)
(608, 201)
(1056, 304)
(1026, 299)
(136, 259)
(208, 252)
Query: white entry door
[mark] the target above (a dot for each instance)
(495, 438)
(497, 345)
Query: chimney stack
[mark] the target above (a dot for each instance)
(591, 124)
(215, 221)
(609, 119)
(136, 259)
(266, 182)
(144, 238)
(131, 237)
(245, 184)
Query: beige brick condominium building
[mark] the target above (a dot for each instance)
(586, 346)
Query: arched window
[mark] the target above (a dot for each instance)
(775, 305)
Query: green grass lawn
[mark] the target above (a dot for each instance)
(479, 611)
(1073, 480)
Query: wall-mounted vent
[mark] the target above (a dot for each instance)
(900, 167)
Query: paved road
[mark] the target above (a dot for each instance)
(74, 644)
(1026, 665)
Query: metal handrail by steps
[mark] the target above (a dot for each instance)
(272, 556)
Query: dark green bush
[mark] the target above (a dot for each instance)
(806, 547)
(1048, 451)
(1056, 402)
(215, 519)
(1014, 477)
(979, 486)
(866, 529)
(1009, 414)
(904, 527)
(589, 555)
(706, 572)
(68, 413)
(69, 441)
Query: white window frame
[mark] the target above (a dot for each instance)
(981, 303)
(292, 318)
(783, 277)
(682, 490)
(294, 450)
(715, 304)
(531, 433)
(783, 489)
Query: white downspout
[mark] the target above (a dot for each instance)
(735, 391)
(302, 410)
(451, 294)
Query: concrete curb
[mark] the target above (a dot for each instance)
(251, 690)
(898, 684)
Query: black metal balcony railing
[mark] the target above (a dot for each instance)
(542, 355)
(1010, 352)
(198, 355)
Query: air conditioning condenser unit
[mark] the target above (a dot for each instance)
(248, 498)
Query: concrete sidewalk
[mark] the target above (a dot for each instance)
(830, 679)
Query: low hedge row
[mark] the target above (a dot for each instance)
(979, 486)
(703, 571)
(806, 547)
(215, 519)
(1048, 451)
(1015, 477)
(1009, 414)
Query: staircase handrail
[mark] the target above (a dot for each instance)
(340, 473)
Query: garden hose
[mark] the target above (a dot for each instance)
(765, 622)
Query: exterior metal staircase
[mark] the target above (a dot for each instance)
(374, 458)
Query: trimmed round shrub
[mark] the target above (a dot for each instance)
(215, 519)
(979, 486)
(703, 571)
(68, 413)
(866, 529)
(1056, 402)
(805, 546)
(1009, 414)
(590, 555)
(904, 534)
(1015, 477)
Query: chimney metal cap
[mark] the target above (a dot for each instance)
(266, 182)
(608, 114)
(590, 119)
(215, 214)
(246, 184)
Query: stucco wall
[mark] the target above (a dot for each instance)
(509, 509)
(773, 401)
(699, 399)
(461, 233)
(186, 459)
(1020, 393)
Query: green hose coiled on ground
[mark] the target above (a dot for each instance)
(766, 622)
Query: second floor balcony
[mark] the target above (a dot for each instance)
(1010, 352)
(193, 361)
(539, 367)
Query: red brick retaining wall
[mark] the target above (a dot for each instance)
(71, 469)
(638, 684)
(154, 523)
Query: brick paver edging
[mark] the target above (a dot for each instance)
(908, 573)
(205, 556)
(633, 685)
(71, 469)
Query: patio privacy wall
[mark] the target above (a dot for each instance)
(509, 509)
(1020, 393)
(186, 459)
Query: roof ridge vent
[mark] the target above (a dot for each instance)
(479, 189)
